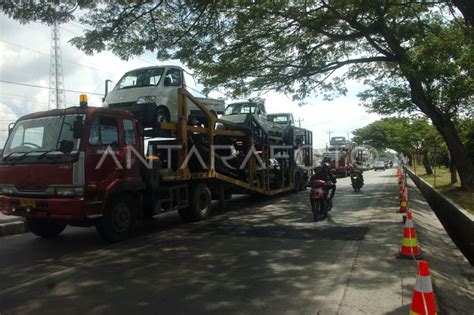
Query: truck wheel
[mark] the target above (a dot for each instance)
(45, 228)
(200, 206)
(118, 220)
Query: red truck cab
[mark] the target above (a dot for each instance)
(61, 167)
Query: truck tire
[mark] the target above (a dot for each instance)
(44, 227)
(200, 205)
(118, 219)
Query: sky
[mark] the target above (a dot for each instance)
(24, 58)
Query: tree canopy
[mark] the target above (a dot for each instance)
(403, 135)
(414, 56)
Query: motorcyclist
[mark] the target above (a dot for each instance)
(323, 172)
(356, 169)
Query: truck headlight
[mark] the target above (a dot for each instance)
(146, 99)
(69, 191)
(6, 190)
(65, 191)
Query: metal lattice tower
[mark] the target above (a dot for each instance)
(57, 97)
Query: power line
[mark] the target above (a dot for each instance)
(65, 29)
(18, 99)
(45, 87)
(45, 54)
(16, 95)
(77, 25)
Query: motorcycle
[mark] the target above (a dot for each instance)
(356, 181)
(318, 197)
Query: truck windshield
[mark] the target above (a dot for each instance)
(280, 119)
(335, 155)
(45, 134)
(140, 78)
(240, 108)
(338, 141)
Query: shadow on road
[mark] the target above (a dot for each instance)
(263, 254)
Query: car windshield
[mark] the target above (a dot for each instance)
(54, 133)
(240, 108)
(140, 78)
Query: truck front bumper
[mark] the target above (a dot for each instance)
(67, 209)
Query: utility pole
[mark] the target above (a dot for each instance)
(57, 97)
(329, 132)
(299, 120)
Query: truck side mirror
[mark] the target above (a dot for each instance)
(78, 128)
(10, 128)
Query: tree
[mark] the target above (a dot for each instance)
(301, 48)
(402, 135)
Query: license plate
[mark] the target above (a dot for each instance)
(27, 203)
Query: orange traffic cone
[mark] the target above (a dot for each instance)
(402, 191)
(404, 202)
(410, 246)
(423, 301)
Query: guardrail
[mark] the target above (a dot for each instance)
(457, 222)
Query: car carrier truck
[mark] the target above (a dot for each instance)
(86, 166)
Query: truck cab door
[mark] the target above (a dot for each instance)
(132, 148)
(102, 164)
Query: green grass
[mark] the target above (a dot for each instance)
(443, 184)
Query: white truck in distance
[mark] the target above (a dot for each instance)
(151, 94)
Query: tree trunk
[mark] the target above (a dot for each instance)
(467, 9)
(448, 131)
(426, 164)
(441, 121)
(452, 169)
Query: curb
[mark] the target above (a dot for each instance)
(12, 228)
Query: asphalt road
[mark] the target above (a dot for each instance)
(264, 255)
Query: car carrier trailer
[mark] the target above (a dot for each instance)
(86, 166)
